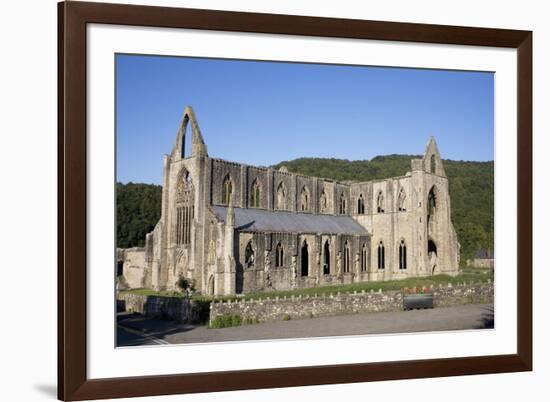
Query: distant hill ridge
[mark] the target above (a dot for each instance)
(471, 187)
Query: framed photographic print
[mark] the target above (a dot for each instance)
(253, 200)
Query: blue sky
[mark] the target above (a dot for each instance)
(261, 113)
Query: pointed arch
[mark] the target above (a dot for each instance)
(360, 205)
(380, 204)
(304, 199)
(432, 164)
(381, 256)
(198, 146)
(432, 203)
(323, 202)
(304, 259)
(346, 257)
(402, 255)
(279, 255)
(281, 197)
(326, 258)
(255, 194)
(401, 198)
(364, 258)
(249, 255)
(227, 189)
(343, 204)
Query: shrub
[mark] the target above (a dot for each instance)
(226, 320)
(286, 317)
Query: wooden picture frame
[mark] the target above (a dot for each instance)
(73, 383)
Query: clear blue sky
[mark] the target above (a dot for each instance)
(261, 113)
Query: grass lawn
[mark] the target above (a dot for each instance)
(475, 275)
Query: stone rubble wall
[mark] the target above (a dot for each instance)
(167, 308)
(279, 309)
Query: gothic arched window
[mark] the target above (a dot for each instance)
(360, 205)
(364, 258)
(323, 202)
(402, 255)
(227, 189)
(342, 204)
(255, 195)
(304, 199)
(381, 256)
(326, 258)
(432, 203)
(184, 207)
(401, 201)
(346, 258)
(432, 164)
(305, 259)
(281, 197)
(279, 255)
(249, 255)
(380, 202)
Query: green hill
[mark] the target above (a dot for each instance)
(138, 211)
(470, 184)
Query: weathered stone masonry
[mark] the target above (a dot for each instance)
(235, 228)
(278, 309)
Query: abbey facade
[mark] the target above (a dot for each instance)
(234, 228)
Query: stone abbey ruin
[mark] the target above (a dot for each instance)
(234, 228)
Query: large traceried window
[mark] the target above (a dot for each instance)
(402, 255)
(381, 256)
(360, 205)
(255, 194)
(227, 189)
(184, 208)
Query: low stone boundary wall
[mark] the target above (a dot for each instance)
(447, 296)
(279, 309)
(167, 308)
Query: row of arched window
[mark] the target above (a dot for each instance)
(304, 269)
(381, 258)
(305, 199)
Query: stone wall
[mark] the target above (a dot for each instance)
(277, 309)
(166, 308)
(447, 296)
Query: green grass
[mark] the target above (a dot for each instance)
(476, 275)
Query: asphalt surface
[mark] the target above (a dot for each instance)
(134, 329)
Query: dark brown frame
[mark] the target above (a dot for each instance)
(73, 383)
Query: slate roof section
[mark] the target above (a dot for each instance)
(259, 220)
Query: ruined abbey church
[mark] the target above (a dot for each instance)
(234, 228)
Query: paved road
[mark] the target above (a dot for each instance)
(472, 316)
